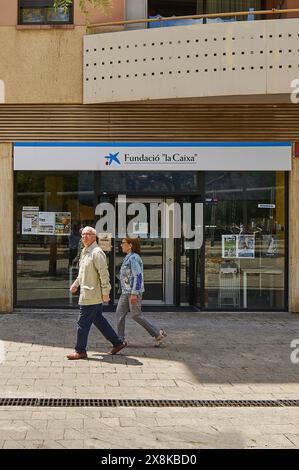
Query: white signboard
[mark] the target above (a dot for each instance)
(159, 156)
(266, 206)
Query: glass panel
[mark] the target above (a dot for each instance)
(46, 264)
(184, 273)
(152, 252)
(245, 240)
(57, 16)
(226, 6)
(32, 15)
(190, 259)
(166, 182)
(44, 15)
(168, 8)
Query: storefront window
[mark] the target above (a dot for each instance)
(43, 12)
(51, 209)
(166, 182)
(245, 237)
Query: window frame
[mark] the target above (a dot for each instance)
(42, 4)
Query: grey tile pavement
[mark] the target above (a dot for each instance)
(206, 356)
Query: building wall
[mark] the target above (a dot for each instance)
(131, 122)
(43, 64)
(6, 228)
(9, 13)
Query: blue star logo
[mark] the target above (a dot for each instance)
(112, 157)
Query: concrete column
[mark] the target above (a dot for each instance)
(294, 238)
(6, 228)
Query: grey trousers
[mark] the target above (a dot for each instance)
(123, 307)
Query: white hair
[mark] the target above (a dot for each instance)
(90, 230)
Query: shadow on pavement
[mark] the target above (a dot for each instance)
(217, 348)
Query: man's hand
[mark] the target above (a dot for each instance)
(106, 298)
(73, 289)
(133, 299)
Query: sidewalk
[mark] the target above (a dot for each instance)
(207, 356)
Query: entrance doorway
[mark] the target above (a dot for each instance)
(157, 252)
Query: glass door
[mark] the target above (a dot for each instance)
(157, 250)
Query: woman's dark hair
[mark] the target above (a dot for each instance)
(135, 243)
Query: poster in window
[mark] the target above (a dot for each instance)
(29, 222)
(246, 246)
(229, 246)
(105, 241)
(270, 246)
(46, 223)
(62, 223)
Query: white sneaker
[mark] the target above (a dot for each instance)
(159, 339)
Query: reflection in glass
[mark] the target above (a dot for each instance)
(59, 15)
(45, 15)
(152, 257)
(46, 264)
(32, 15)
(245, 240)
(165, 182)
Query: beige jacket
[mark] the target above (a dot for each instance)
(93, 277)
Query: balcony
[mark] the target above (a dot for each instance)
(234, 59)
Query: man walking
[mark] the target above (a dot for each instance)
(93, 279)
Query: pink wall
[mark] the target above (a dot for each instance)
(292, 4)
(9, 13)
(117, 13)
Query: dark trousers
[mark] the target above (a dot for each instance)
(92, 314)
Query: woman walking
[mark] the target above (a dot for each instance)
(132, 288)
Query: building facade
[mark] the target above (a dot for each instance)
(200, 116)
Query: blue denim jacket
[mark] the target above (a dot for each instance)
(131, 275)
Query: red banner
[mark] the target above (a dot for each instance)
(297, 149)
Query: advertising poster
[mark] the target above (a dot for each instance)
(35, 222)
(270, 246)
(62, 223)
(229, 246)
(105, 241)
(29, 222)
(238, 246)
(46, 223)
(245, 246)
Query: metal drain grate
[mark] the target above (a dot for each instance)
(97, 402)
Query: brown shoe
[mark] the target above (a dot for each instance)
(118, 348)
(76, 355)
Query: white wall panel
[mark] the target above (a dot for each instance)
(239, 58)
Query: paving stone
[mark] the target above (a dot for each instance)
(44, 434)
(207, 356)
